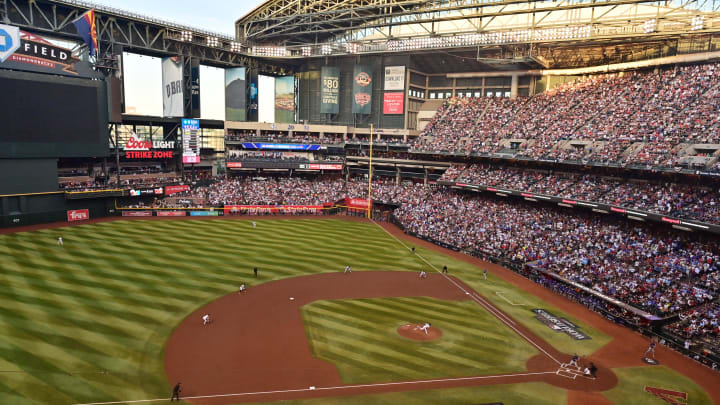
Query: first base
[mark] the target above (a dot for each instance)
(312, 387)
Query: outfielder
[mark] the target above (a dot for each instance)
(60, 242)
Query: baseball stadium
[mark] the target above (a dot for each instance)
(471, 202)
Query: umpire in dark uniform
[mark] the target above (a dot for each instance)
(255, 271)
(176, 393)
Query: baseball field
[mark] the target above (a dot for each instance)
(114, 316)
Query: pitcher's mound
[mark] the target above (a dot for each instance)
(412, 331)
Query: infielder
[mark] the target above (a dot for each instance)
(347, 270)
(425, 327)
(423, 274)
(651, 350)
(206, 319)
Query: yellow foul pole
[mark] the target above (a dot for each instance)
(369, 197)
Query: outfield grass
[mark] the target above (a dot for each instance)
(88, 321)
(360, 337)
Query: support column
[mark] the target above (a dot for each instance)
(426, 177)
(397, 176)
(514, 86)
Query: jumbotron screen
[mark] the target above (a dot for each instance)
(44, 116)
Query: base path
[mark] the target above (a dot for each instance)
(626, 348)
(256, 348)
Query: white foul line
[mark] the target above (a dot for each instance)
(502, 295)
(339, 387)
(504, 319)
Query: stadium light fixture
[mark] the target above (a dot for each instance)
(186, 36)
(269, 51)
(650, 26)
(698, 23)
(306, 51)
(235, 47)
(213, 42)
(325, 50)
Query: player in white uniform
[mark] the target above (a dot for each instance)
(347, 270)
(423, 274)
(60, 242)
(425, 327)
(206, 319)
(254, 224)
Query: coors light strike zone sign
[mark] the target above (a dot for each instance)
(140, 149)
(362, 89)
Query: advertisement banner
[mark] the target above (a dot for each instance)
(191, 140)
(253, 96)
(78, 215)
(235, 94)
(146, 191)
(320, 166)
(34, 53)
(10, 41)
(362, 89)
(136, 148)
(283, 146)
(394, 77)
(285, 99)
(235, 165)
(172, 70)
(203, 213)
(393, 103)
(137, 213)
(329, 90)
(269, 209)
(356, 203)
(170, 190)
(171, 213)
(195, 88)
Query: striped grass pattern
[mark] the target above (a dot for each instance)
(359, 337)
(88, 321)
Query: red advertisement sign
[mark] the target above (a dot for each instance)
(234, 164)
(317, 166)
(356, 202)
(393, 103)
(274, 209)
(169, 190)
(78, 215)
(137, 213)
(171, 213)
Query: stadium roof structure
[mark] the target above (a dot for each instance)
(536, 32)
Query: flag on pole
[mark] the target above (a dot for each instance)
(86, 27)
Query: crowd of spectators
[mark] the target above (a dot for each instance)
(640, 118)
(699, 325)
(283, 137)
(126, 181)
(659, 273)
(678, 200)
